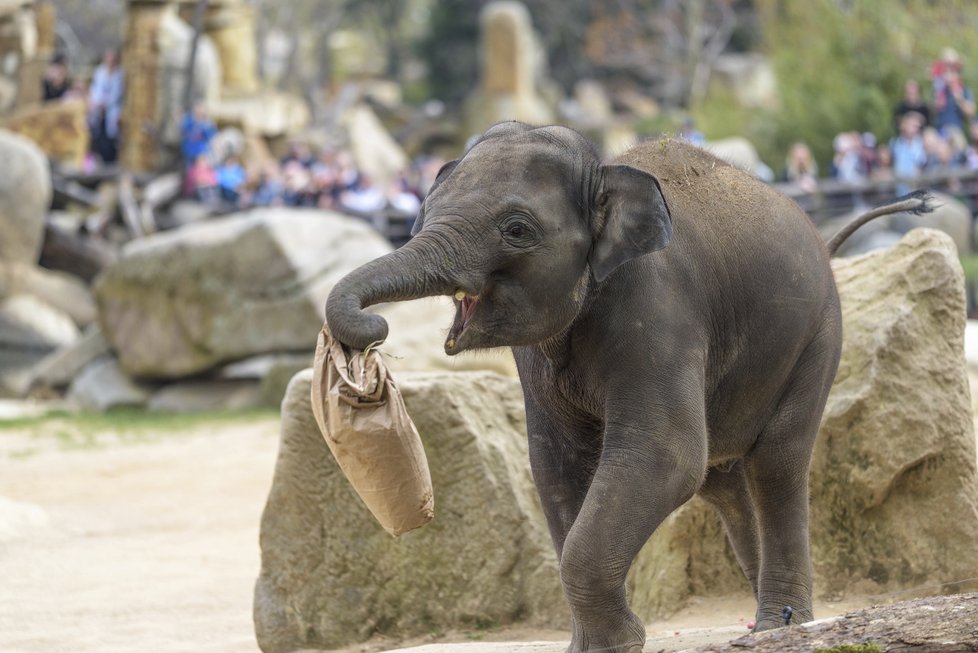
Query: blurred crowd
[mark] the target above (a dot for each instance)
(930, 137)
(326, 178)
(935, 131)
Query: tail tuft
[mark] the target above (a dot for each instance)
(924, 202)
(918, 202)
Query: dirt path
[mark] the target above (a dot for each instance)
(113, 542)
(151, 545)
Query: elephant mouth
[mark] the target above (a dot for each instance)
(465, 307)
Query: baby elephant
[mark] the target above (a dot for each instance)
(648, 378)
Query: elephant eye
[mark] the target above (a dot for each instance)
(518, 231)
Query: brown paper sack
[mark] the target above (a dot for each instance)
(361, 415)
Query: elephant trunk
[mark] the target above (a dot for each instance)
(407, 273)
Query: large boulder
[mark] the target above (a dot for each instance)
(331, 575)
(25, 195)
(180, 302)
(894, 490)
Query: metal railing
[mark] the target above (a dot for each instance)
(833, 198)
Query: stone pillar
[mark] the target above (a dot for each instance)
(141, 59)
(19, 37)
(231, 25)
(511, 65)
(47, 20)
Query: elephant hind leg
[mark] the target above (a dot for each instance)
(728, 492)
(777, 472)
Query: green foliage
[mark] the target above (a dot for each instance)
(84, 430)
(970, 265)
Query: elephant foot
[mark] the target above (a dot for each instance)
(626, 636)
(787, 617)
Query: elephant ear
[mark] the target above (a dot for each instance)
(636, 219)
(442, 175)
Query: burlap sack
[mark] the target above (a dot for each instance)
(362, 417)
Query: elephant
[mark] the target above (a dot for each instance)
(676, 328)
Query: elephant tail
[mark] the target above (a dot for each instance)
(917, 203)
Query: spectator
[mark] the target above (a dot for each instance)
(231, 178)
(105, 106)
(801, 168)
(269, 189)
(196, 133)
(867, 154)
(299, 152)
(912, 101)
(57, 81)
(201, 181)
(907, 150)
(971, 155)
(363, 197)
(298, 182)
(954, 103)
(401, 197)
(884, 164)
(847, 162)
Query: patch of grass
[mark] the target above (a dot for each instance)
(85, 430)
(852, 648)
(970, 265)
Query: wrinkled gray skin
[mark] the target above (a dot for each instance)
(648, 377)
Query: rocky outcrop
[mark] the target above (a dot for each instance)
(331, 575)
(181, 302)
(894, 490)
(25, 194)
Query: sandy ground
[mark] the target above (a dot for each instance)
(116, 543)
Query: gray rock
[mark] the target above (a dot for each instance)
(894, 488)
(102, 385)
(61, 290)
(331, 575)
(60, 367)
(25, 195)
(273, 371)
(28, 323)
(182, 302)
(207, 395)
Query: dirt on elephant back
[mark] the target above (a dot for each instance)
(943, 624)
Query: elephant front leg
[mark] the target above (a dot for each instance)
(563, 457)
(640, 480)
